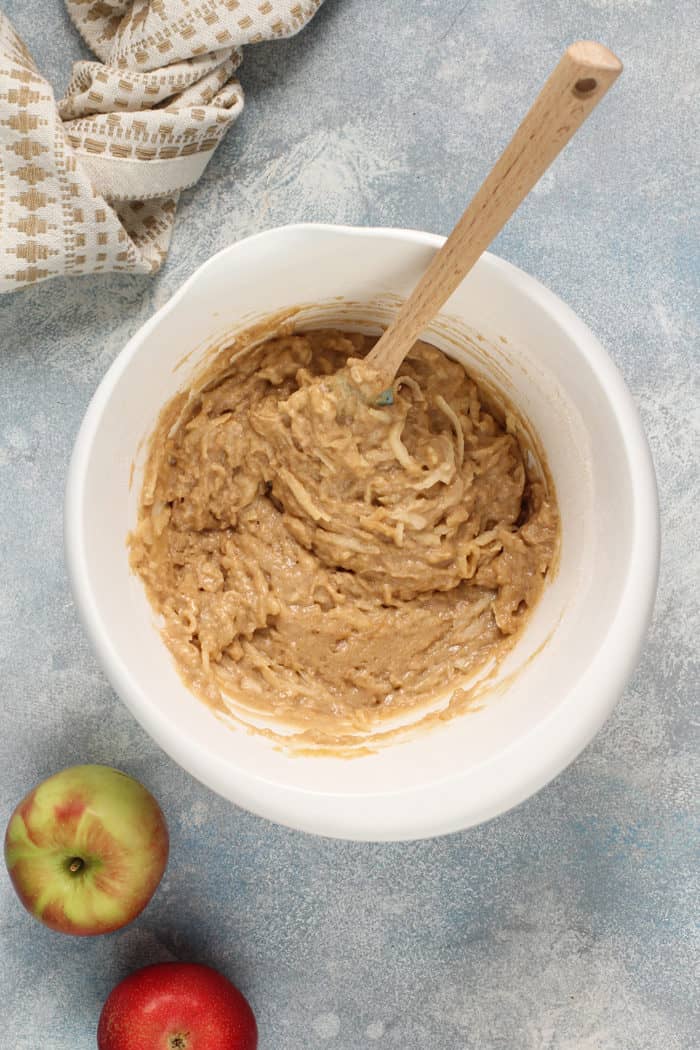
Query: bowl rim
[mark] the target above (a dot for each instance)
(511, 775)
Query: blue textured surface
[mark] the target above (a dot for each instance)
(567, 924)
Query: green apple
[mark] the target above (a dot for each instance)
(86, 849)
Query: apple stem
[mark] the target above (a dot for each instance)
(75, 865)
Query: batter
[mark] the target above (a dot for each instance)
(329, 561)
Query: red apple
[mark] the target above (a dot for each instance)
(86, 849)
(176, 1006)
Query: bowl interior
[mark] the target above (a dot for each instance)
(512, 333)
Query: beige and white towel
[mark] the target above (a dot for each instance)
(91, 183)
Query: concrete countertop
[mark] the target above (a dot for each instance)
(566, 924)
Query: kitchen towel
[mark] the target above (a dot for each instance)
(91, 183)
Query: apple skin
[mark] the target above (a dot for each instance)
(176, 1006)
(86, 850)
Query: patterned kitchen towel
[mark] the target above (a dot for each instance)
(91, 183)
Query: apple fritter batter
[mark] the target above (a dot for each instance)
(323, 559)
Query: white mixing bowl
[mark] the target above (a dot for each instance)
(580, 645)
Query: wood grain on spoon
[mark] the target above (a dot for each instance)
(583, 75)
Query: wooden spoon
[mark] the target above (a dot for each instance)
(584, 73)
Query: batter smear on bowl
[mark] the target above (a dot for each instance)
(328, 561)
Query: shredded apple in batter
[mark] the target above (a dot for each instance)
(328, 561)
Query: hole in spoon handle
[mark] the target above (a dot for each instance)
(585, 86)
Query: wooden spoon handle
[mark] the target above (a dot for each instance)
(583, 75)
